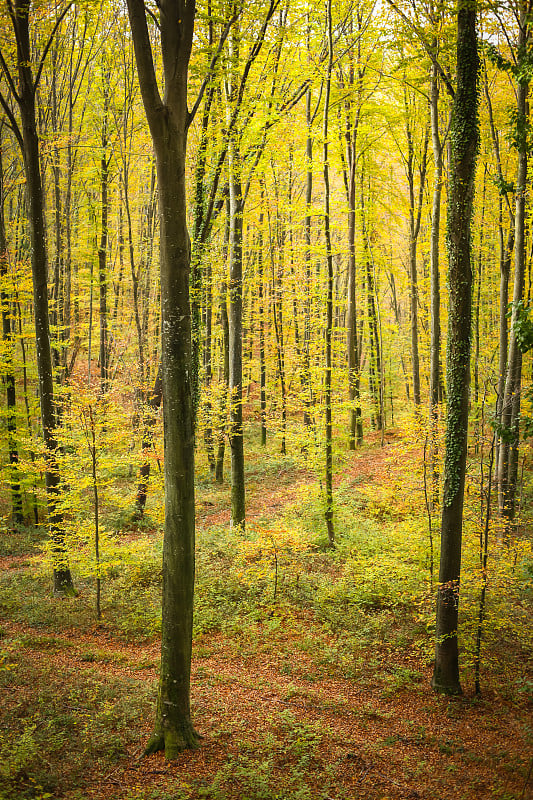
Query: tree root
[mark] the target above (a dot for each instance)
(173, 741)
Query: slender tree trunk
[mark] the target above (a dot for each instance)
(277, 246)
(374, 366)
(415, 216)
(236, 437)
(355, 435)
(36, 218)
(510, 420)
(7, 367)
(506, 251)
(434, 370)
(102, 247)
(261, 313)
(477, 284)
(306, 359)
(329, 300)
(219, 468)
(149, 420)
(462, 176)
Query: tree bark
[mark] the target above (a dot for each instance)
(510, 419)
(329, 301)
(168, 120)
(102, 247)
(434, 370)
(236, 437)
(462, 175)
(7, 367)
(35, 207)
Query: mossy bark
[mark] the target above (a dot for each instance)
(464, 137)
(168, 120)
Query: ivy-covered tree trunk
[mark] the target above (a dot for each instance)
(464, 137)
(168, 120)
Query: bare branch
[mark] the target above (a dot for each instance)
(211, 69)
(427, 47)
(13, 124)
(49, 44)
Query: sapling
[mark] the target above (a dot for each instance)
(89, 429)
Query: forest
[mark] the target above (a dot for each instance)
(267, 400)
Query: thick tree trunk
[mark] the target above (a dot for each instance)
(168, 121)
(463, 162)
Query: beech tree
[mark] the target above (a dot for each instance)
(27, 137)
(169, 119)
(464, 139)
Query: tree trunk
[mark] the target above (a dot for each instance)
(261, 313)
(510, 420)
(306, 359)
(434, 370)
(36, 217)
(219, 468)
(464, 139)
(329, 301)
(168, 121)
(7, 366)
(102, 247)
(236, 436)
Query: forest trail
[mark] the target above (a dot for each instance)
(271, 496)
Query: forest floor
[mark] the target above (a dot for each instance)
(291, 701)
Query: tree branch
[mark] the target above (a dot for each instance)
(145, 62)
(9, 79)
(49, 44)
(211, 69)
(12, 121)
(427, 47)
